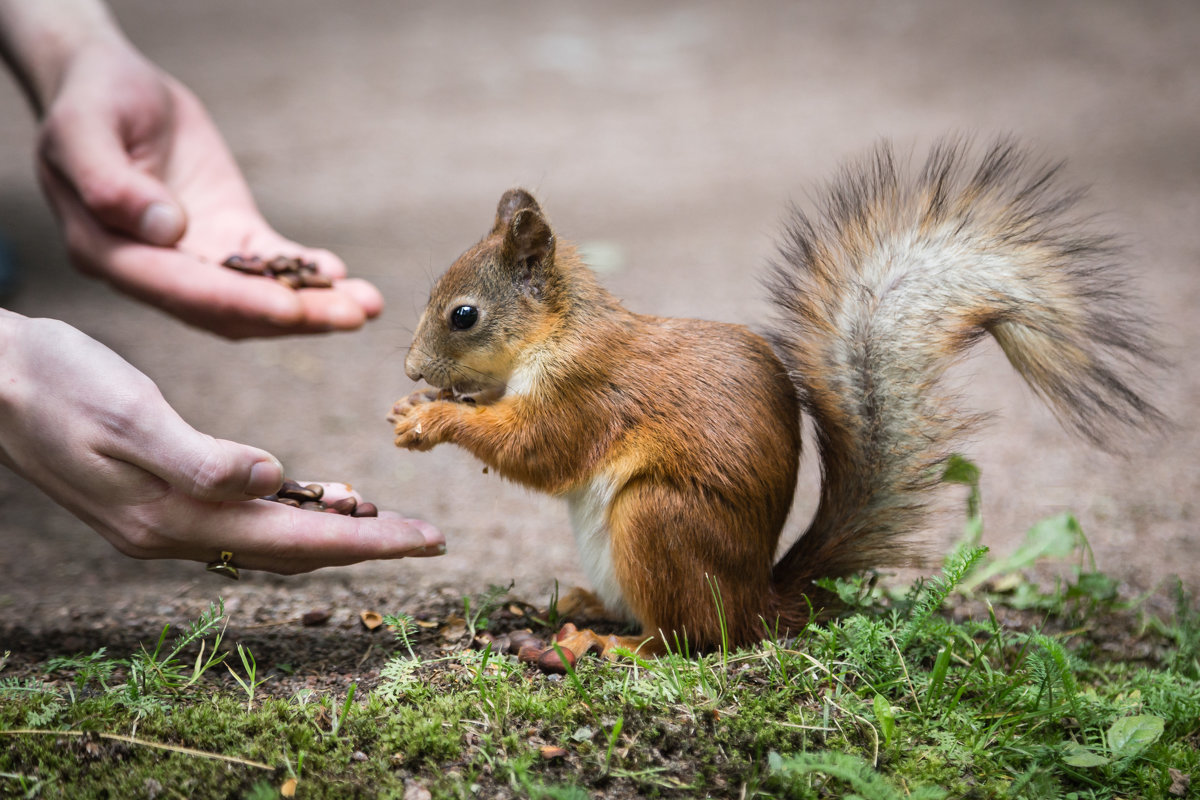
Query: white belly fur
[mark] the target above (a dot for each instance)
(588, 507)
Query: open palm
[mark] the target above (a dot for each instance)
(151, 200)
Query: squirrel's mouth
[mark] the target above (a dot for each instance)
(481, 395)
(460, 388)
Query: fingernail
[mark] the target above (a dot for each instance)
(265, 477)
(161, 224)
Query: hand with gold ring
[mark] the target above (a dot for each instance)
(97, 436)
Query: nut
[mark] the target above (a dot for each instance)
(308, 497)
(365, 510)
(550, 661)
(292, 271)
(519, 639)
(530, 652)
(344, 506)
(251, 266)
(292, 280)
(295, 491)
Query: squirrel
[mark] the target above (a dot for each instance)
(676, 442)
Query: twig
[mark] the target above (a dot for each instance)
(272, 624)
(116, 737)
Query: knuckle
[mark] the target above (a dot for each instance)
(212, 472)
(126, 409)
(104, 198)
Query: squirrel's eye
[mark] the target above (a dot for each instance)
(463, 317)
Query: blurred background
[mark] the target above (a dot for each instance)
(668, 139)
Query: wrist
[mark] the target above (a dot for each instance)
(39, 40)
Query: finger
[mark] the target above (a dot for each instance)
(262, 535)
(92, 161)
(368, 298)
(206, 294)
(332, 309)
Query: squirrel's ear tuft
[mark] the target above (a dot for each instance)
(514, 200)
(528, 248)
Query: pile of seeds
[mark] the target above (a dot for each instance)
(292, 271)
(308, 497)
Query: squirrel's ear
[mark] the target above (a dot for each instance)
(514, 200)
(529, 246)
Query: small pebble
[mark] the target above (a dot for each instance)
(311, 619)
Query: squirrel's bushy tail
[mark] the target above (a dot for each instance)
(898, 275)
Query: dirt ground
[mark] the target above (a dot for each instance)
(669, 138)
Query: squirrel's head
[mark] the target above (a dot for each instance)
(494, 301)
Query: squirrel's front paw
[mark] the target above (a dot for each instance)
(405, 405)
(415, 426)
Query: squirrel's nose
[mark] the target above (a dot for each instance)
(411, 367)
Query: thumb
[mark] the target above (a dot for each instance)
(93, 162)
(200, 465)
(224, 470)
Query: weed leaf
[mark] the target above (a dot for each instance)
(1083, 757)
(1055, 537)
(1129, 736)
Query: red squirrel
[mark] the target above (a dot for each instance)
(676, 442)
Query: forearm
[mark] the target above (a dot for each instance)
(39, 37)
(9, 323)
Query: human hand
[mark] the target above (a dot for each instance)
(96, 435)
(150, 200)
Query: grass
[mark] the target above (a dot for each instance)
(950, 688)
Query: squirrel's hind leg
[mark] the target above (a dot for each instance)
(693, 567)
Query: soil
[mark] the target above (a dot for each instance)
(669, 139)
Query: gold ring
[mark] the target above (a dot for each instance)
(223, 566)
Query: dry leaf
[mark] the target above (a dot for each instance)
(371, 619)
(454, 629)
(322, 719)
(550, 752)
(1180, 781)
(289, 788)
